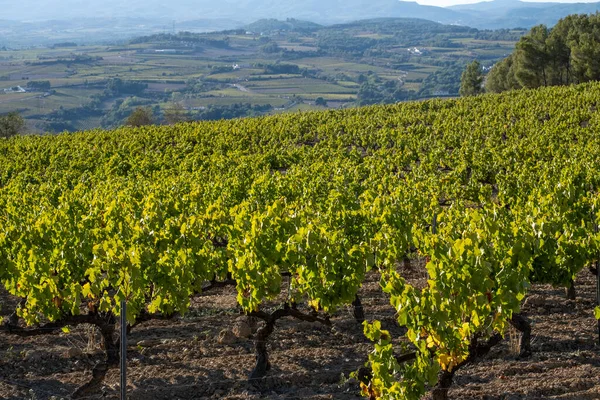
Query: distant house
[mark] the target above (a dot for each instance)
(15, 89)
(415, 51)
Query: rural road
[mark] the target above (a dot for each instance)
(240, 87)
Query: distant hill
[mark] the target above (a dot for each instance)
(289, 25)
(393, 26)
(398, 25)
(514, 13)
(320, 11)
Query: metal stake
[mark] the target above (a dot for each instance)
(598, 293)
(123, 350)
(597, 280)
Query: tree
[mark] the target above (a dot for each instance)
(39, 85)
(471, 80)
(369, 93)
(321, 102)
(11, 124)
(532, 58)
(139, 117)
(585, 57)
(176, 114)
(568, 53)
(502, 77)
(559, 52)
(270, 48)
(118, 86)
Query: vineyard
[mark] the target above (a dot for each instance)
(448, 211)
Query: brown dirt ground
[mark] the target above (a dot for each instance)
(181, 359)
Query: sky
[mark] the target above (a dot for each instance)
(446, 3)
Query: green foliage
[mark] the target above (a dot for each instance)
(176, 113)
(236, 110)
(11, 124)
(471, 80)
(270, 48)
(311, 203)
(532, 58)
(502, 77)
(140, 117)
(39, 85)
(280, 68)
(274, 25)
(319, 101)
(185, 37)
(568, 53)
(376, 91)
(118, 86)
(444, 81)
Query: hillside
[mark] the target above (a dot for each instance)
(270, 66)
(250, 252)
(272, 24)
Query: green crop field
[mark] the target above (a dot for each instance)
(405, 244)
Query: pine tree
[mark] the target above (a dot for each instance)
(471, 80)
(532, 58)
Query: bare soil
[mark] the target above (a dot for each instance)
(182, 359)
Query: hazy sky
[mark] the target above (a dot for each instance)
(445, 3)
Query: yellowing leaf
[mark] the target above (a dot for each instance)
(87, 291)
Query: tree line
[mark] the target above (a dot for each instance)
(568, 53)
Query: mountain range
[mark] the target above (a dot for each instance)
(487, 15)
(514, 13)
